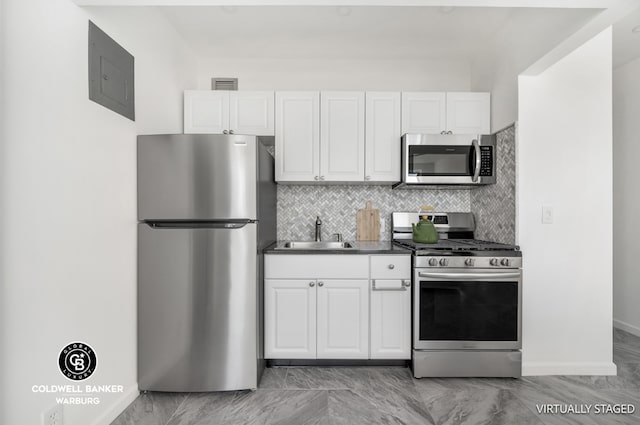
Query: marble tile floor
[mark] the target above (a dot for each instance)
(390, 395)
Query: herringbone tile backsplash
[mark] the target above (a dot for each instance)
(299, 205)
(494, 205)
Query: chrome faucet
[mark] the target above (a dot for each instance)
(318, 229)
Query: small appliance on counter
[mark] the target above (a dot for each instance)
(207, 208)
(451, 160)
(424, 231)
(467, 300)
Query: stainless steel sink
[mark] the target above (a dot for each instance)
(315, 245)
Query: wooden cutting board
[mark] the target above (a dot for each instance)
(368, 224)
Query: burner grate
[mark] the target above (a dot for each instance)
(457, 245)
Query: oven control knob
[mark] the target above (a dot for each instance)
(469, 262)
(444, 262)
(494, 262)
(504, 262)
(433, 261)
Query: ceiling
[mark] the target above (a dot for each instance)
(368, 32)
(626, 43)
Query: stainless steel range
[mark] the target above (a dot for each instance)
(467, 300)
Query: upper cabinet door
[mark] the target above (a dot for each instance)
(206, 111)
(251, 112)
(342, 136)
(382, 137)
(423, 112)
(469, 113)
(297, 136)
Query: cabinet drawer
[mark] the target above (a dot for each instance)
(305, 266)
(390, 267)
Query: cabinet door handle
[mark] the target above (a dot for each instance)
(320, 283)
(230, 131)
(321, 177)
(391, 267)
(316, 178)
(225, 132)
(367, 177)
(449, 132)
(312, 284)
(443, 132)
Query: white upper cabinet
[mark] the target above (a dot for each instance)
(342, 136)
(382, 137)
(251, 112)
(233, 112)
(297, 136)
(343, 319)
(450, 113)
(206, 111)
(424, 112)
(468, 113)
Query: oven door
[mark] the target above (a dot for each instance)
(467, 309)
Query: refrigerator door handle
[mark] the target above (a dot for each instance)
(200, 225)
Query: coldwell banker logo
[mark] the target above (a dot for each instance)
(77, 361)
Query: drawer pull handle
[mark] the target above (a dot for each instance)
(402, 287)
(391, 266)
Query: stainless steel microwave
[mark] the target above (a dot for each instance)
(435, 159)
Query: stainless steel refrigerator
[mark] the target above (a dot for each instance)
(206, 209)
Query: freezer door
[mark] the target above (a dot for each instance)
(196, 177)
(197, 298)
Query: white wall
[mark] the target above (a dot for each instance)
(3, 388)
(69, 182)
(301, 74)
(564, 160)
(526, 37)
(626, 196)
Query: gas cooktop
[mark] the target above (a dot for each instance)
(456, 245)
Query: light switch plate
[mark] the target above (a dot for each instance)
(111, 74)
(547, 214)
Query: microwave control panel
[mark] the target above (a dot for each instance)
(486, 160)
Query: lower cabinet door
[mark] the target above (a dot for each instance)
(390, 320)
(343, 319)
(290, 319)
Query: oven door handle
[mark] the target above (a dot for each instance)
(476, 172)
(462, 276)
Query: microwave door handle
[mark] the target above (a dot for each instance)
(476, 172)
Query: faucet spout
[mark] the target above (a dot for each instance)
(318, 229)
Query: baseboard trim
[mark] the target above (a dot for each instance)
(118, 407)
(635, 330)
(542, 369)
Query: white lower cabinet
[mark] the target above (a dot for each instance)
(390, 319)
(359, 309)
(390, 306)
(343, 319)
(290, 319)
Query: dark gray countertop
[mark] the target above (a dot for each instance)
(359, 247)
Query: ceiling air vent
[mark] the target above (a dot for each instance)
(224, 84)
